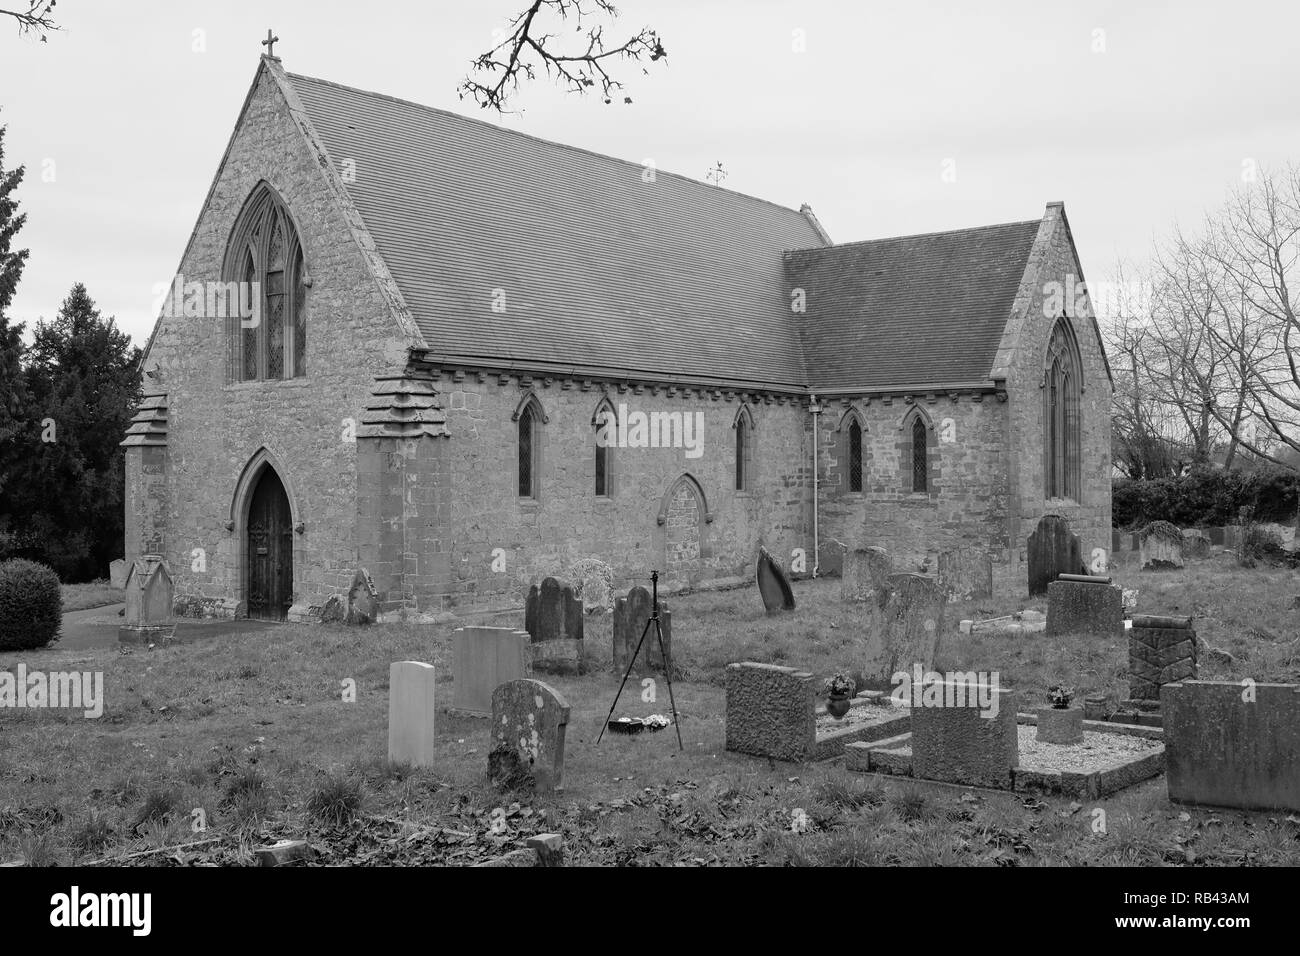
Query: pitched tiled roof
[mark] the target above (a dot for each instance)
(600, 270)
(911, 311)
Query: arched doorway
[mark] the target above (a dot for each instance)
(270, 549)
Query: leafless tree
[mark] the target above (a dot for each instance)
(526, 48)
(38, 18)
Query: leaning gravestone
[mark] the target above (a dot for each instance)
(148, 616)
(410, 713)
(117, 573)
(960, 742)
(866, 575)
(1160, 547)
(553, 619)
(1229, 745)
(528, 725)
(363, 602)
(483, 658)
(966, 574)
(1076, 607)
(908, 629)
(630, 616)
(770, 711)
(1053, 550)
(773, 585)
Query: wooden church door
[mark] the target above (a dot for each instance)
(270, 550)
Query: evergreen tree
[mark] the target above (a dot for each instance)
(83, 378)
(13, 396)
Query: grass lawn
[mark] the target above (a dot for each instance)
(252, 730)
(79, 597)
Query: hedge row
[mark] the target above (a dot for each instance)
(1206, 497)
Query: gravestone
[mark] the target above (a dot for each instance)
(529, 719)
(630, 616)
(481, 659)
(1076, 607)
(1053, 550)
(1196, 543)
(148, 617)
(1160, 547)
(334, 610)
(959, 742)
(117, 573)
(1161, 650)
(410, 713)
(966, 574)
(866, 575)
(770, 711)
(1116, 542)
(830, 558)
(773, 585)
(1228, 745)
(363, 602)
(908, 629)
(1217, 536)
(593, 584)
(553, 619)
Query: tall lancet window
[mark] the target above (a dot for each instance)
(265, 298)
(1062, 389)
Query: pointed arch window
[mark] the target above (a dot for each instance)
(529, 420)
(744, 460)
(1062, 389)
(855, 455)
(605, 430)
(920, 457)
(266, 307)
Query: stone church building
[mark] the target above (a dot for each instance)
(460, 357)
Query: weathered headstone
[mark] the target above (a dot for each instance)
(1053, 550)
(1229, 745)
(1075, 607)
(966, 574)
(411, 713)
(958, 741)
(593, 583)
(1160, 546)
(148, 617)
(334, 610)
(910, 623)
(481, 659)
(830, 557)
(770, 711)
(529, 719)
(1196, 543)
(773, 585)
(1116, 541)
(866, 575)
(553, 619)
(1161, 650)
(630, 616)
(117, 573)
(363, 601)
(1217, 536)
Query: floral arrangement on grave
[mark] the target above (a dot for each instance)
(1060, 696)
(839, 690)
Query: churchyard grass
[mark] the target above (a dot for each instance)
(80, 597)
(253, 730)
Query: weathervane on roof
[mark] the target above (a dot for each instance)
(269, 43)
(716, 174)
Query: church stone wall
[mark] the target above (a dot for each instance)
(500, 542)
(966, 503)
(216, 427)
(1089, 518)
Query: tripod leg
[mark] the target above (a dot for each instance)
(668, 676)
(626, 674)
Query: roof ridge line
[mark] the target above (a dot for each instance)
(918, 235)
(549, 142)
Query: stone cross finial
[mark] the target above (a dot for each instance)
(270, 42)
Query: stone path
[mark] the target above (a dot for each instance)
(97, 627)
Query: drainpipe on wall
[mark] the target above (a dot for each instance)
(816, 410)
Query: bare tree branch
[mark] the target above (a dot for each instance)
(525, 49)
(38, 18)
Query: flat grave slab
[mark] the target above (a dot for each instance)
(865, 722)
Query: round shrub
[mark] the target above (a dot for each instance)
(31, 605)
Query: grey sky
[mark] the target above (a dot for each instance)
(121, 123)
